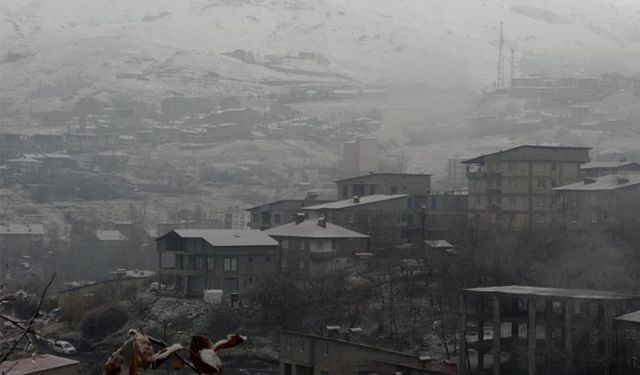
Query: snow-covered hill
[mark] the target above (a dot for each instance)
(83, 44)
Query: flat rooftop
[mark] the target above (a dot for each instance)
(532, 291)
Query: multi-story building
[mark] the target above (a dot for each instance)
(384, 183)
(359, 157)
(609, 203)
(627, 349)
(279, 212)
(445, 211)
(20, 246)
(315, 246)
(389, 219)
(531, 330)
(194, 260)
(599, 169)
(305, 354)
(512, 189)
(456, 174)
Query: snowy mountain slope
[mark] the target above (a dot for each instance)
(448, 43)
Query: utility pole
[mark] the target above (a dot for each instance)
(513, 65)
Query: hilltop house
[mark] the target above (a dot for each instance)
(313, 246)
(191, 261)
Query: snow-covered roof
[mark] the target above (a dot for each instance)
(367, 199)
(36, 229)
(608, 182)
(313, 229)
(227, 237)
(608, 164)
(633, 317)
(35, 365)
(110, 235)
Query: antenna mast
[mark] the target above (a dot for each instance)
(513, 65)
(500, 78)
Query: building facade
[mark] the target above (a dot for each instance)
(315, 246)
(513, 189)
(359, 157)
(599, 169)
(542, 330)
(384, 183)
(279, 212)
(194, 260)
(627, 350)
(304, 354)
(609, 202)
(389, 219)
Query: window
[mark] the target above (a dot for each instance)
(284, 243)
(250, 279)
(372, 189)
(267, 259)
(554, 166)
(210, 264)
(594, 199)
(230, 285)
(345, 192)
(319, 244)
(512, 201)
(554, 183)
(283, 263)
(630, 334)
(513, 183)
(542, 184)
(541, 202)
(230, 264)
(434, 203)
(303, 244)
(594, 218)
(301, 347)
(276, 218)
(255, 217)
(334, 244)
(352, 218)
(301, 264)
(394, 190)
(574, 217)
(325, 352)
(478, 201)
(250, 259)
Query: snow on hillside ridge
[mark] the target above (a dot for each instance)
(446, 44)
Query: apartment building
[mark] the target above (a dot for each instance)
(389, 219)
(513, 189)
(542, 331)
(306, 354)
(384, 183)
(316, 246)
(609, 202)
(599, 169)
(280, 212)
(194, 260)
(627, 349)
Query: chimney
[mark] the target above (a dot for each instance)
(589, 180)
(322, 222)
(300, 217)
(356, 199)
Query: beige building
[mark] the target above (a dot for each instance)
(605, 203)
(359, 157)
(513, 189)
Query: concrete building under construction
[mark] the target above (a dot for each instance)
(532, 330)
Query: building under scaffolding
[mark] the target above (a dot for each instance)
(531, 330)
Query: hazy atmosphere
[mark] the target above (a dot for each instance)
(320, 187)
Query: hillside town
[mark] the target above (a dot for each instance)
(327, 194)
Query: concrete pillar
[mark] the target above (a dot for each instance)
(568, 334)
(496, 335)
(608, 319)
(531, 337)
(462, 305)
